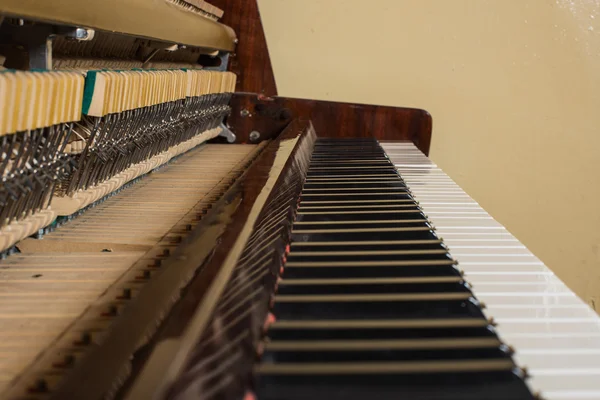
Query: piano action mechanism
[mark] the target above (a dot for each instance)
(173, 229)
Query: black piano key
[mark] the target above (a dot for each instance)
(358, 224)
(374, 234)
(351, 167)
(355, 158)
(357, 202)
(405, 306)
(324, 353)
(350, 173)
(433, 269)
(390, 195)
(400, 245)
(305, 216)
(476, 384)
(353, 185)
(349, 162)
(279, 332)
(366, 255)
(356, 189)
(366, 286)
(353, 178)
(310, 208)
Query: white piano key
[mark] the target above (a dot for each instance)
(527, 342)
(414, 166)
(426, 183)
(446, 223)
(476, 278)
(467, 250)
(555, 334)
(508, 328)
(527, 311)
(454, 236)
(426, 180)
(570, 394)
(493, 254)
(467, 209)
(572, 387)
(411, 172)
(419, 173)
(511, 299)
(556, 359)
(511, 288)
(443, 195)
(516, 268)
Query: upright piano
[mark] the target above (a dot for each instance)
(172, 229)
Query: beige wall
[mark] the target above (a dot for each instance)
(513, 87)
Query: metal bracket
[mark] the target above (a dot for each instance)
(227, 134)
(224, 57)
(37, 40)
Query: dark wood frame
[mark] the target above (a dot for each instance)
(255, 118)
(255, 111)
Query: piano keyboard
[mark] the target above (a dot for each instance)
(72, 283)
(370, 303)
(555, 334)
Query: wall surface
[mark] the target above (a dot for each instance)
(513, 87)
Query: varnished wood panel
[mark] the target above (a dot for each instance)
(250, 62)
(269, 116)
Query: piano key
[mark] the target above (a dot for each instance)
(359, 345)
(379, 252)
(358, 286)
(353, 178)
(376, 234)
(434, 269)
(359, 202)
(353, 183)
(503, 312)
(443, 380)
(389, 245)
(394, 351)
(419, 330)
(465, 250)
(554, 333)
(514, 276)
(402, 306)
(383, 368)
(359, 223)
(358, 214)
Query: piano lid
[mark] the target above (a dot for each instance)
(156, 20)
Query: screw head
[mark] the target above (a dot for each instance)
(81, 33)
(254, 136)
